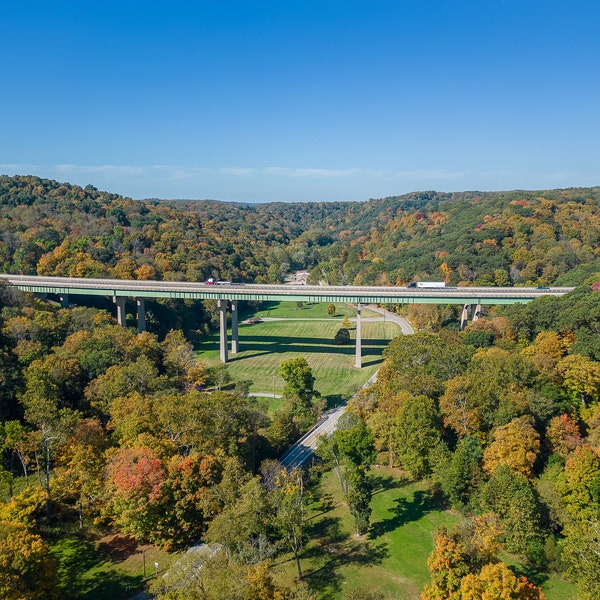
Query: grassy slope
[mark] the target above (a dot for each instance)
(110, 567)
(393, 556)
(265, 345)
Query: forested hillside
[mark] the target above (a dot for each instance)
(502, 238)
(104, 429)
(503, 420)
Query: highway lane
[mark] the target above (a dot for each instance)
(362, 294)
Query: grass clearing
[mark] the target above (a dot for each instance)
(393, 556)
(311, 310)
(265, 345)
(105, 567)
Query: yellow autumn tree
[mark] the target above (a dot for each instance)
(496, 581)
(515, 444)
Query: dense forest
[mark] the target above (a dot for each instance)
(502, 238)
(105, 428)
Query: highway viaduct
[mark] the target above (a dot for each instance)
(229, 294)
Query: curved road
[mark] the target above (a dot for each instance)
(304, 448)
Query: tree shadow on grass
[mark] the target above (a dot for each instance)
(404, 511)
(334, 550)
(118, 548)
(86, 568)
(85, 572)
(532, 574)
(334, 400)
(111, 584)
(382, 483)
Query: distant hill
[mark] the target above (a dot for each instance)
(502, 238)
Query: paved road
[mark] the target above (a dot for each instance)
(247, 291)
(303, 449)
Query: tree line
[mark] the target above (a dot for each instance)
(501, 238)
(502, 422)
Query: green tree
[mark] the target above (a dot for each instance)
(18, 439)
(289, 501)
(244, 526)
(81, 464)
(421, 362)
(299, 382)
(342, 337)
(180, 361)
(582, 555)
(462, 474)
(353, 451)
(579, 483)
(511, 496)
(419, 433)
(53, 425)
(581, 377)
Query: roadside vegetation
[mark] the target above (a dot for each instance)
(470, 467)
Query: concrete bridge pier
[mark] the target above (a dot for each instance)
(223, 330)
(141, 314)
(469, 311)
(235, 343)
(464, 316)
(64, 300)
(120, 302)
(358, 361)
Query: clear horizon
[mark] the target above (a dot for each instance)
(268, 101)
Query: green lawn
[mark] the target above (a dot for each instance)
(309, 310)
(265, 345)
(393, 556)
(108, 567)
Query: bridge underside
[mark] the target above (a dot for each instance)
(228, 296)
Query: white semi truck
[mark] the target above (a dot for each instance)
(428, 284)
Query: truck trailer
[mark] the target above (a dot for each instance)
(428, 284)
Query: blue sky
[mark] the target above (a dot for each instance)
(259, 101)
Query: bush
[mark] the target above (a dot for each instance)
(342, 336)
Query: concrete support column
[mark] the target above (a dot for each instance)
(475, 312)
(223, 330)
(464, 317)
(358, 362)
(141, 314)
(120, 302)
(64, 300)
(235, 343)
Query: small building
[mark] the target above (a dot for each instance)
(299, 278)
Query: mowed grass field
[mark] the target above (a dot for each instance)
(392, 557)
(265, 345)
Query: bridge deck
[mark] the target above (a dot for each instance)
(352, 294)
